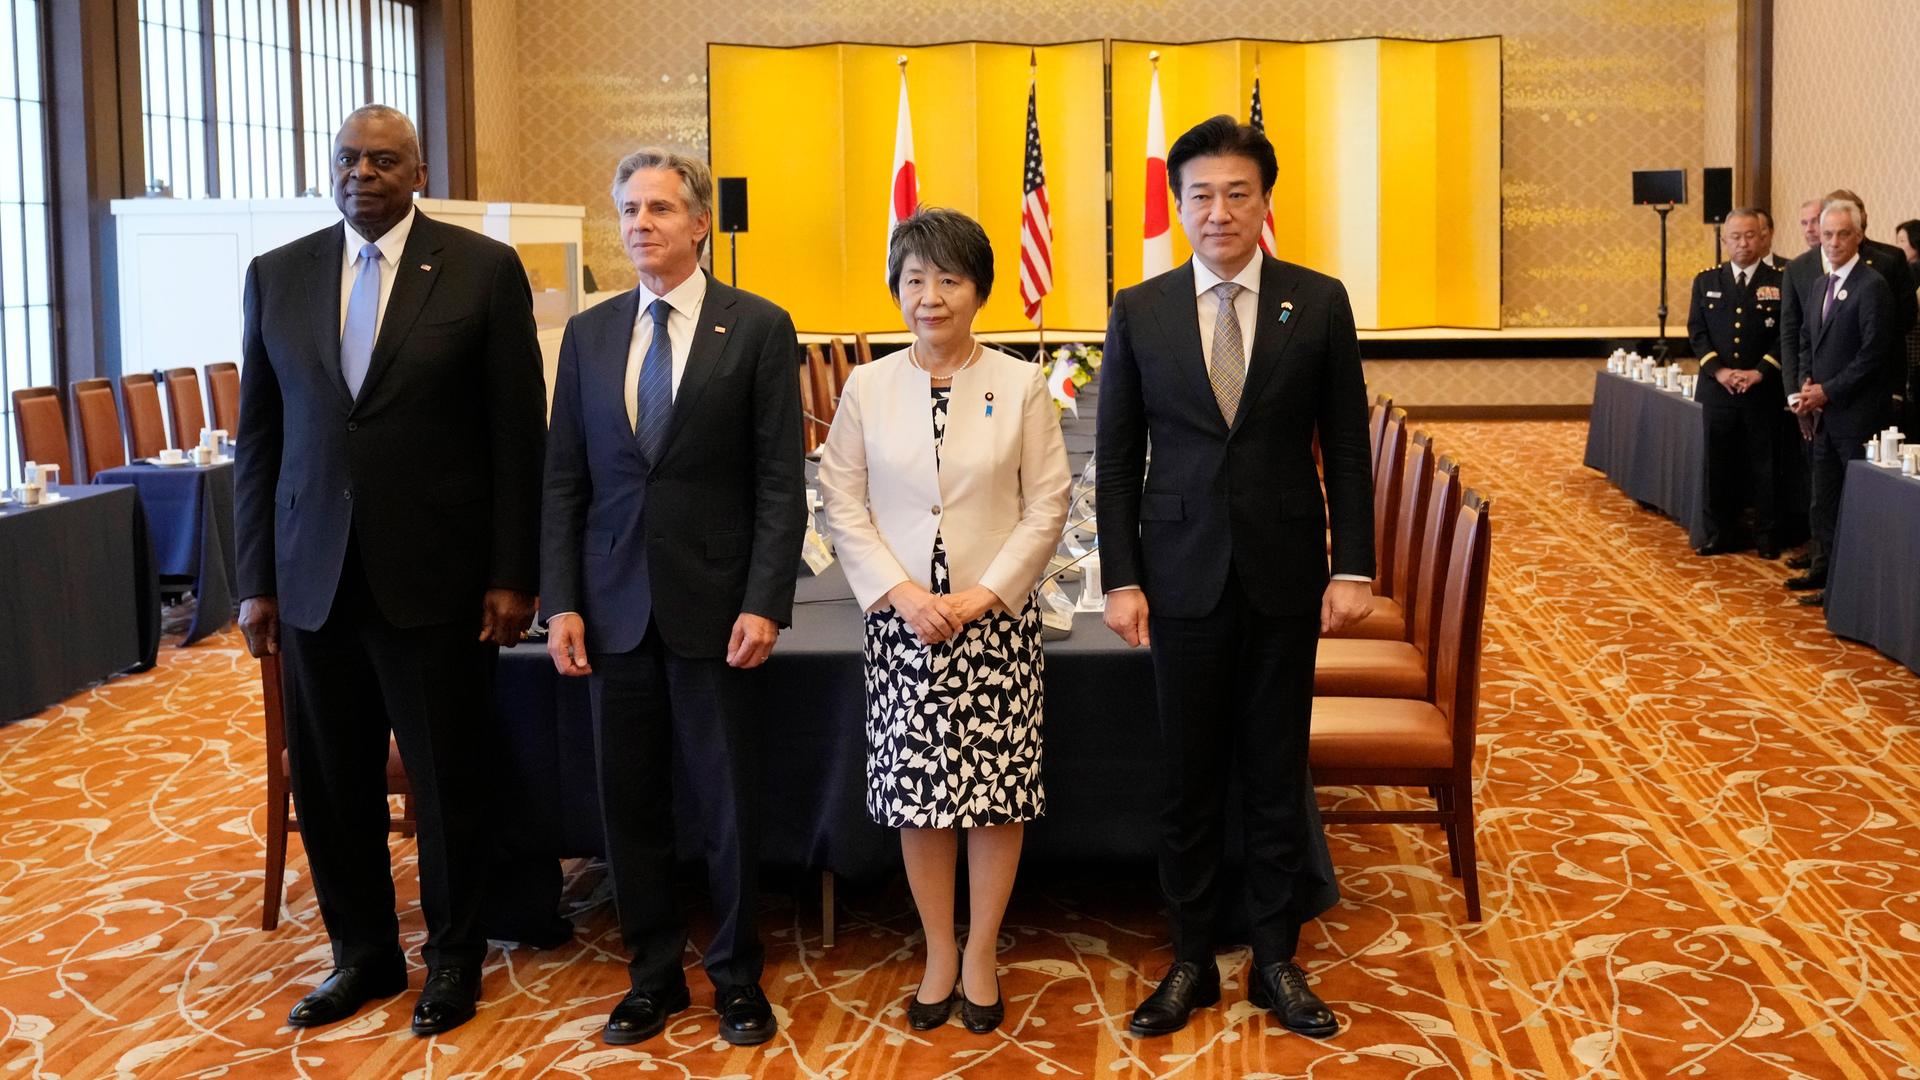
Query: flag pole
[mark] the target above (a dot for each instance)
(1040, 314)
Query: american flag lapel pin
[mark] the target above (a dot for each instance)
(425, 266)
(718, 329)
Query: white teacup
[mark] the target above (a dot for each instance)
(203, 455)
(29, 494)
(173, 455)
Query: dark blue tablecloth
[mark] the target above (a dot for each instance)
(1652, 445)
(81, 601)
(190, 511)
(1101, 777)
(1873, 583)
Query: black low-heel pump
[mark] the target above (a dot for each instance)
(927, 1015)
(981, 1019)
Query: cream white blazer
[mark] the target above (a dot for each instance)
(998, 496)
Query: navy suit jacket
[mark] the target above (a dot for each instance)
(1849, 353)
(433, 471)
(711, 530)
(1245, 494)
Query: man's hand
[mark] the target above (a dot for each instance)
(924, 612)
(260, 622)
(1812, 399)
(752, 641)
(1345, 603)
(1728, 378)
(567, 644)
(1126, 615)
(968, 604)
(505, 615)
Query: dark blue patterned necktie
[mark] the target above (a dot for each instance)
(655, 396)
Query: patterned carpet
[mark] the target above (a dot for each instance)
(1700, 856)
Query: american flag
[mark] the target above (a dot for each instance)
(1036, 223)
(1258, 119)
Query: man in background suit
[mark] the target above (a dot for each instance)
(1733, 323)
(387, 499)
(1843, 372)
(1217, 558)
(671, 529)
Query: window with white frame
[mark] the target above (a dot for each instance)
(26, 265)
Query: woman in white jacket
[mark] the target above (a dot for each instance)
(945, 483)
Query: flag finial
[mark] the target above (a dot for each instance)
(901, 60)
(1033, 57)
(1154, 55)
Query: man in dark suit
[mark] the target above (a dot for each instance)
(1217, 558)
(1734, 325)
(387, 499)
(671, 529)
(1843, 372)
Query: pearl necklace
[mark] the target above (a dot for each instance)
(914, 359)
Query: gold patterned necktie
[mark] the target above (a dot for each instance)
(1228, 368)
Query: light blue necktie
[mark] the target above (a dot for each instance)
(655, 396)
(363, 319)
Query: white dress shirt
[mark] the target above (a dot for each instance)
(685, 300)
(1840, 272)
(1246, 305)
(392, 246)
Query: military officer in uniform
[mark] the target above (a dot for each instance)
(1734, 325)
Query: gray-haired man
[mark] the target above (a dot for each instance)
(670, 532)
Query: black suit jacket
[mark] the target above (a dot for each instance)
(1891, 263)
(433, 471)
(1244, 495)
(1847, 353)
(711, 530)
(1738, 328)
(1886, 260)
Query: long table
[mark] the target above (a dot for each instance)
(1102, 784)
(1652, 444)
(81, 601)
(1873, 582)
(189, 510)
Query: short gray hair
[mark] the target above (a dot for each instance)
(387, 112)
(1852, 210)
(696, 181)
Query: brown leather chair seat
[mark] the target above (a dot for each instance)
(1386, 622)
(1366, 732)
(1349, 668)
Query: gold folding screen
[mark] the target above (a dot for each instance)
(812, 129)
(1389, 157)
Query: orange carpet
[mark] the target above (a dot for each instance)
(1700, 856)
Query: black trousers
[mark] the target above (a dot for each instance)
(654, 710)
(347, 684)
(1742, 445)
(1827, 465)
(1235, 696)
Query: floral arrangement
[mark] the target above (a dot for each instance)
(1071, 367)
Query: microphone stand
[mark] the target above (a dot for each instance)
(1660, 349)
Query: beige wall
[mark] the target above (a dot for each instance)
(1591, 88)
(1846, 73)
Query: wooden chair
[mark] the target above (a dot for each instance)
(41, 429)
(862, 350)
(1377, 427)
(223, 396)
(809, 422)
(1406, 742)
(1388, 466)
(1399, 666)
(280, 790)
(1389, 619)
(140, 408)
(842, 371)
(183, 404)
(824, 395)
(102, 444)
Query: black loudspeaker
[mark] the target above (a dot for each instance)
(1659, 187)
(733, 204)
(1716, 195)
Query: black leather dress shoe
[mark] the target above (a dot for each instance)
(1281, 988)
(342, 994)
(1187, 987)
(981, 1019)
(1813, 599)
(447, 1001)
(1799, 561)
(1714, 547)
(642, 1014)
(1803, 582)
(745, 1017)
(1768, 552)
(927, 1015)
